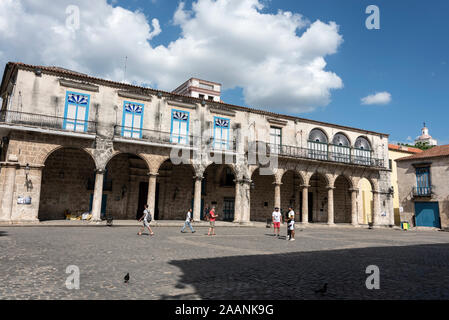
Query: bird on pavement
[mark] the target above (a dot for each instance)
(126, 278)
(323, 290)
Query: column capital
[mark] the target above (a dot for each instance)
(330, 188)
(376, 192)
(152, 174)
(243, 180)
(198, 177)
(277, 183)
(8, 164)
(100, 171)
(305, 186)
(354, 189)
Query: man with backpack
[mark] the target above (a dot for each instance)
(188, 221)
(146, 217)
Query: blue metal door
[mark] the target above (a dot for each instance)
(427, 214)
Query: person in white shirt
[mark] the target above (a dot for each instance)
(146, 217)
(276, 217)
(188, 221)
(291, 226)
(291, 229)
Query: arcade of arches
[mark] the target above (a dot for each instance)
(171, 190)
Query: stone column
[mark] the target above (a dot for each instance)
(305, 204)
(237, 202)
(330, 205)
(197, 199)
(277, 195)
(98, 195)
(297, 197)
(8, 189)
(376, 207)
(245, 200)
(151, 198)
(354, 216)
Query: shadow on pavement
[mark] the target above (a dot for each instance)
(3, 233)
(406, 272)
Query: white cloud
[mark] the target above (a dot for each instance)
(377, 98)
(278, 59)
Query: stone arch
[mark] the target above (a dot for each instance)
(47, 150)
(365, 200)
(219, 189)
(318, 199)
(291, 186)
(174, 190)
(261, 195)
(342, 199)
(72, 170)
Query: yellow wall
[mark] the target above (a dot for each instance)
(393, 155)
(366, 201)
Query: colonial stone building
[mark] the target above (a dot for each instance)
(75, 143)
(424, 191)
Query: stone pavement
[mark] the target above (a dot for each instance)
(238, 263)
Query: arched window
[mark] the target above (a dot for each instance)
(362, 151)
(341, 151)
(317, 145)
(317, 135)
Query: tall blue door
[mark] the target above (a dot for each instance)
(427, 214)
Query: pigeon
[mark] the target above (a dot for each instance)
(126, 278)
(323, 290)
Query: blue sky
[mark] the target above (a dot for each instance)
(407, 58)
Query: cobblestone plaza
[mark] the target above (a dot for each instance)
(238, 263)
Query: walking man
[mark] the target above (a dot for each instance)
(188, 221)
(146, 217)
(276, 217)
(212, 217)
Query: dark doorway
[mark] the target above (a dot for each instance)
(310, 204)
(143, 198)
(228, 209)
(156, 203)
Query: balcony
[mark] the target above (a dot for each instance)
(344, 156)
(419, 192)
(153, 136)
(42, 121)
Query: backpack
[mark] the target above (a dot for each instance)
(148, 217)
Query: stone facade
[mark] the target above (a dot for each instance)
(406, 170)
(101, 161)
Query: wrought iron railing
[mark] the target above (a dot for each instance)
(154, 136)
(422, 191)
(324, 155)
(47, 121)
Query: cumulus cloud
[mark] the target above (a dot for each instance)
(278, 59)
(377, 98)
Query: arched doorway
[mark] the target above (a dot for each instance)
(262, 196)
(318, 202)
(291, 192)
(67, 184)
(342, 200)
(174, 191)
(219, 190)
(365, 201)
(125, 187)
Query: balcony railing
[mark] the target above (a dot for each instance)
(324, 155)
(46, 121)
(422, 191)
(154, 136)
(162, 137)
